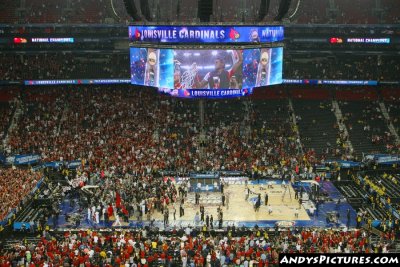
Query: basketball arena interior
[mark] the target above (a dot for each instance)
(198, 132)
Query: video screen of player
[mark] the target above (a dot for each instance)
(206, 69)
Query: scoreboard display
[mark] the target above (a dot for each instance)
(213, 61)
(206, 34)
(226, 72)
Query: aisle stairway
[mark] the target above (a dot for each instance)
(316, 125)
(358, 117)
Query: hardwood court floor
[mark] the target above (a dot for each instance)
(241, 209)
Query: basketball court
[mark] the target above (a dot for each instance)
(238, 208)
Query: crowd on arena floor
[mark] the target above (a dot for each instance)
(118, 198)
(131, 131)
(187, 247)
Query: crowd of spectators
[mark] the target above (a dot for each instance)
(378, 187)
(137, 130)
(388, 73)
(130, 133)
(41, 112)
(63, 66)
(393, 109)
(188, 247)
(275, 139)
(74, 66)
(124, 127)
(367, 127)
(343, 68)
(328, 143)
(6, 110)
(15, 185)
(8, 103)
(130, 130)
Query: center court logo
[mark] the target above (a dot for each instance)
(253, 200)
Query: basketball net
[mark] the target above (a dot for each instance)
(187, 78)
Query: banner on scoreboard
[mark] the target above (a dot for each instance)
(246, 68)
(359, 40)
(206, 93)
(330, 82)
(206, 34)
(77, 82)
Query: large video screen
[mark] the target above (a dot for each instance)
(206, 72)
(262, 67)
(206, 34)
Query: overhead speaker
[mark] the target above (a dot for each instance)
(205, 10)
(132, 10)
(264, 8)
(283, 9)
(145, 8)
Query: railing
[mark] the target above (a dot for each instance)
(387, 206)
